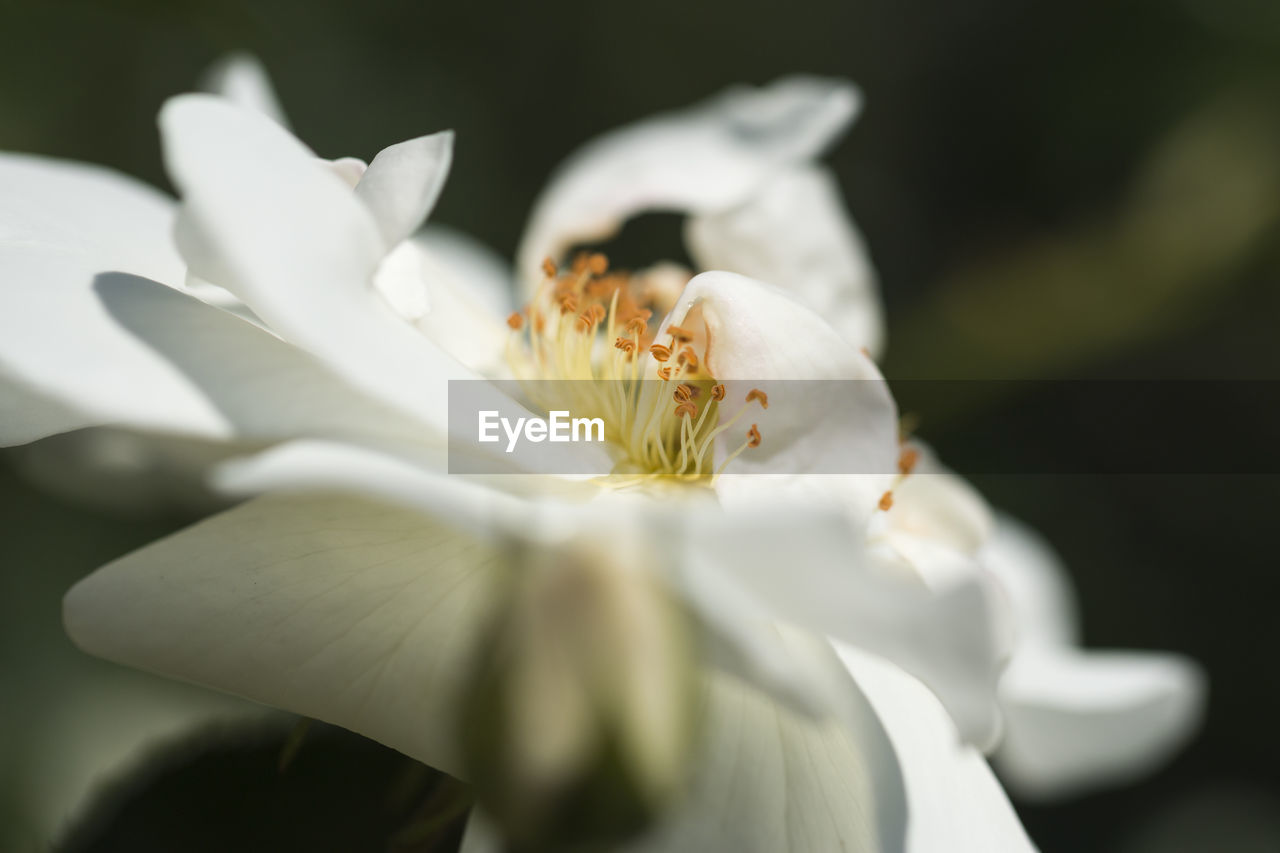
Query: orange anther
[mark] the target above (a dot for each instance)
(757, 394)
(687, 356)
(664, 372)
(679, 334)
(753, 436)
(717, 392)
(598, 264)
(549, 268)
(683, 393)
(636, 326)
(907, 460)
(660, 352)
(886, 501)
(686, 409)
(515, 321)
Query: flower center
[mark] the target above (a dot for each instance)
(589, 330)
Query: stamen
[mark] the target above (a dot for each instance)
(549, 268)
(886, 501)
(753, 436)
(665, 372)
(660, 352)
(689, 357)
(515, 321)
(683, 393)
(598, 264)
(678, 334)
(717, 392)
(757, 394)
(907, 460)
(686, 409)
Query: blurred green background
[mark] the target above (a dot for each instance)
(1068, 190)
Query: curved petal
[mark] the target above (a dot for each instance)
(954, 801)
(1038, 585)
(264, 218)
(242, 79)
(402, 183)
(794, 232)
(433, 297)
(705, 158)
(1078, 720)
(264, 387)
(350, 611)
(810, 568)
(767, 779)
(64, 362)
(830, 410)
(485, 275)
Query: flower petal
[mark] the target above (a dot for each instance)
(1037, 583)
(274, 225)
(811, 569)
(830, 412)
(346, 610)
(1078, 720)
(705, 158)
(242, 79)
(486, 276)
(954, 801)
(264, 387)
(795, 233)
(403, 182)
(64, 362)
(767, 779)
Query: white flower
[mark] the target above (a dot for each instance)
(300, 312)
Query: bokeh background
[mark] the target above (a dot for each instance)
(1085, 190)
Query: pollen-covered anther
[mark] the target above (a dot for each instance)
(660, 352)
(598, 264)
(717, 392)
(568, 304)
(686, 409)
(683, 393)
(689, 357)
(753, 436)
(678, 334)
(549, 268)
(515, 321)
(664, 373)
(886, 501)
(757, 394)
(907, 460)
(636, 326)
(625, 344)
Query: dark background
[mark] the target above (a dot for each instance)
(1049, 190)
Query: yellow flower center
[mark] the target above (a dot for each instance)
(589, 329)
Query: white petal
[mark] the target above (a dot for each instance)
(1038, 585)
(242, 79)
(403, 182)
(706, 158)
(264, 387)
(937, 506)
(438, 301)
(795, 233)
(812, 570)
(830, 409)
(485, 275)
(954, 801)
(767, 779)
(1078, 720)
(267, 220)
(349, 611)
(64, 362)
